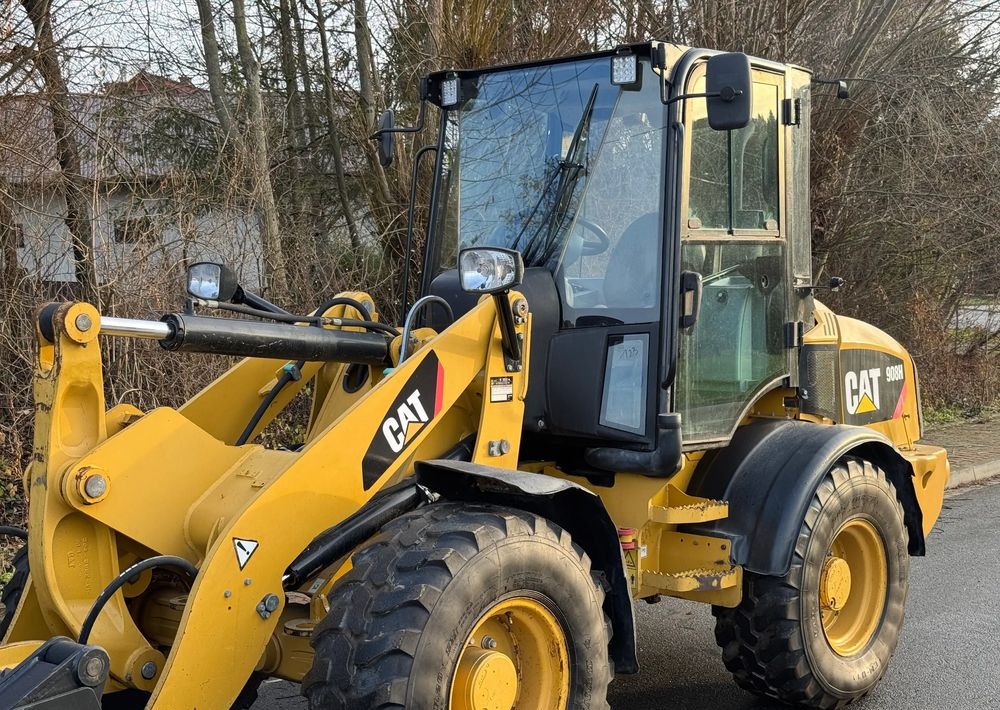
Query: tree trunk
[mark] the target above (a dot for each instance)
(8, 243)
(293, 116)
(78, 219)
(311, 115)
(213, 68)
(274, 261)
(366, 62)
(331, 120)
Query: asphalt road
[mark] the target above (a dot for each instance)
(947, 658)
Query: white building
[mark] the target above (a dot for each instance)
(138, 141)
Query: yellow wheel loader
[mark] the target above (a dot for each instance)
(617, 384)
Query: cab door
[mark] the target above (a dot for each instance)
(733, 233)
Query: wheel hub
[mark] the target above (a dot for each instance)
(835, 583)
(485, 680)
(517, 653)
(853, 587)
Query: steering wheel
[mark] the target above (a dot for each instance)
(593, 247)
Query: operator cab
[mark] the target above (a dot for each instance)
(619, 193)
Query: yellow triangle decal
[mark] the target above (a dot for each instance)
(865, 405)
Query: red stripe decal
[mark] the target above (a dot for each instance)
(439, 390)
(899, 404)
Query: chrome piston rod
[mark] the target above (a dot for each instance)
(135, 328)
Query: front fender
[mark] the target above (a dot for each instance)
(769, 473)
(569, 505)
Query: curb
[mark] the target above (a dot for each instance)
(969, 475)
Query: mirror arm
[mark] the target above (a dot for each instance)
(251, 299)
(421, 119)
(508, 335)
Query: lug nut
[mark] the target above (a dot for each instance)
(489, 643)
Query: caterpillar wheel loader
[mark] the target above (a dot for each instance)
(617, 384)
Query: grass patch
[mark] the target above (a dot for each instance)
(941, 414)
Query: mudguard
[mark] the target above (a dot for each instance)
(569, 505)
(769, 473)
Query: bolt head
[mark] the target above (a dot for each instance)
(489, 643)
(148, 670)
(94, 667)
(83, 322)
(271, 602)
(95, 486)
(247, 582)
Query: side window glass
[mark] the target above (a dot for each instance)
(734, 174)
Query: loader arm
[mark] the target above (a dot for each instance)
(241, 514)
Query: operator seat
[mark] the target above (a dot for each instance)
(632, 278)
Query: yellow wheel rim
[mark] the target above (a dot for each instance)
(852, 587)
(516, 657)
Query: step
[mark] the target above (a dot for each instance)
(682, 508)
(694, 580)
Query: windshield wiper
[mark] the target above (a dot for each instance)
(568, 170)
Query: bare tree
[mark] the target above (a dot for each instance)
(74, 186)
(274, 259)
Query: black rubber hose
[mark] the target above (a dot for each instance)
(312, 320)
(12, 531)
(344, 301)
(286, 377)
(289, 376)
(122, 579)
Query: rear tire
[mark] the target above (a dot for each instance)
(787, 640)
(404, 620)
(10, 597)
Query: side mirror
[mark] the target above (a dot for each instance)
(386, 138)
(490, 270)
(729, 91)
(211, 282)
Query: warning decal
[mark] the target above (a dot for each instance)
(501, 389)
(244, 550)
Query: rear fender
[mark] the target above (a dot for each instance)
(769, 473)
(567, 504)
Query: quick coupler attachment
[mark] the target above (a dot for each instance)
(60, 675)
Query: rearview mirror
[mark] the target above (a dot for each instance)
(490, 270)
(211, 282)
(386, 138)
(729, 89)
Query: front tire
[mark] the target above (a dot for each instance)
(456, 606)
(822, 635)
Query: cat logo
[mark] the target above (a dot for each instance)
(861, 390)
(416, 406)
(410, 418)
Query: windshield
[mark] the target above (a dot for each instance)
(565, 167)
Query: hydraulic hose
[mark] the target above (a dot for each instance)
(12, 531)
(311, 319)
(122, 579)
(411, 316)
(292, 372)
